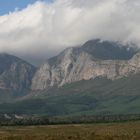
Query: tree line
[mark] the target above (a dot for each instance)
(52, 120)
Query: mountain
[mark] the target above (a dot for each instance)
(15, 75)
(95, 58)
(100, 77)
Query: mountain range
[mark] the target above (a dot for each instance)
(99, 77)
(93, 59)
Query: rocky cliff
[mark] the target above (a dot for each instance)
(93, 59)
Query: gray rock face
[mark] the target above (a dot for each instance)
(15, 74)
(75, 64)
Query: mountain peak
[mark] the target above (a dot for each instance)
(15, 73)
(94, 58)
(107, 50)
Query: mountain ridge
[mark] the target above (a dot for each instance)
(80, 63)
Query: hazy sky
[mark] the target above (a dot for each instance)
(35, 30)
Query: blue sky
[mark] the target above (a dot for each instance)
(10, 5)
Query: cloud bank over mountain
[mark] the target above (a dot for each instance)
(42, 29)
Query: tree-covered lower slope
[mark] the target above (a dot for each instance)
(92, 97)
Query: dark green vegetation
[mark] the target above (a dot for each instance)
(119, 131)
(25, 120)
(93, 97)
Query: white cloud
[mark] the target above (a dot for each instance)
(43, 29)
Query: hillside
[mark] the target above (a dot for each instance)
(98, 96)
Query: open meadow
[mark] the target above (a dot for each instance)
(108, 131)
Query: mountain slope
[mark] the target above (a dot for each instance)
(96, 96)
(93, 59)
(15, 74)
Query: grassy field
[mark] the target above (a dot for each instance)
(110, 131)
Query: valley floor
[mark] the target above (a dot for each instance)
(109, 131)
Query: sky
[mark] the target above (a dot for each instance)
(7, 6)
(36, 30)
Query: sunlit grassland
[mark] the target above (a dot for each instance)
(109, 131)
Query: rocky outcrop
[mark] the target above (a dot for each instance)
(15, 74)
(75, 64)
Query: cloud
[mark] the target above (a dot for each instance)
(43, 29)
